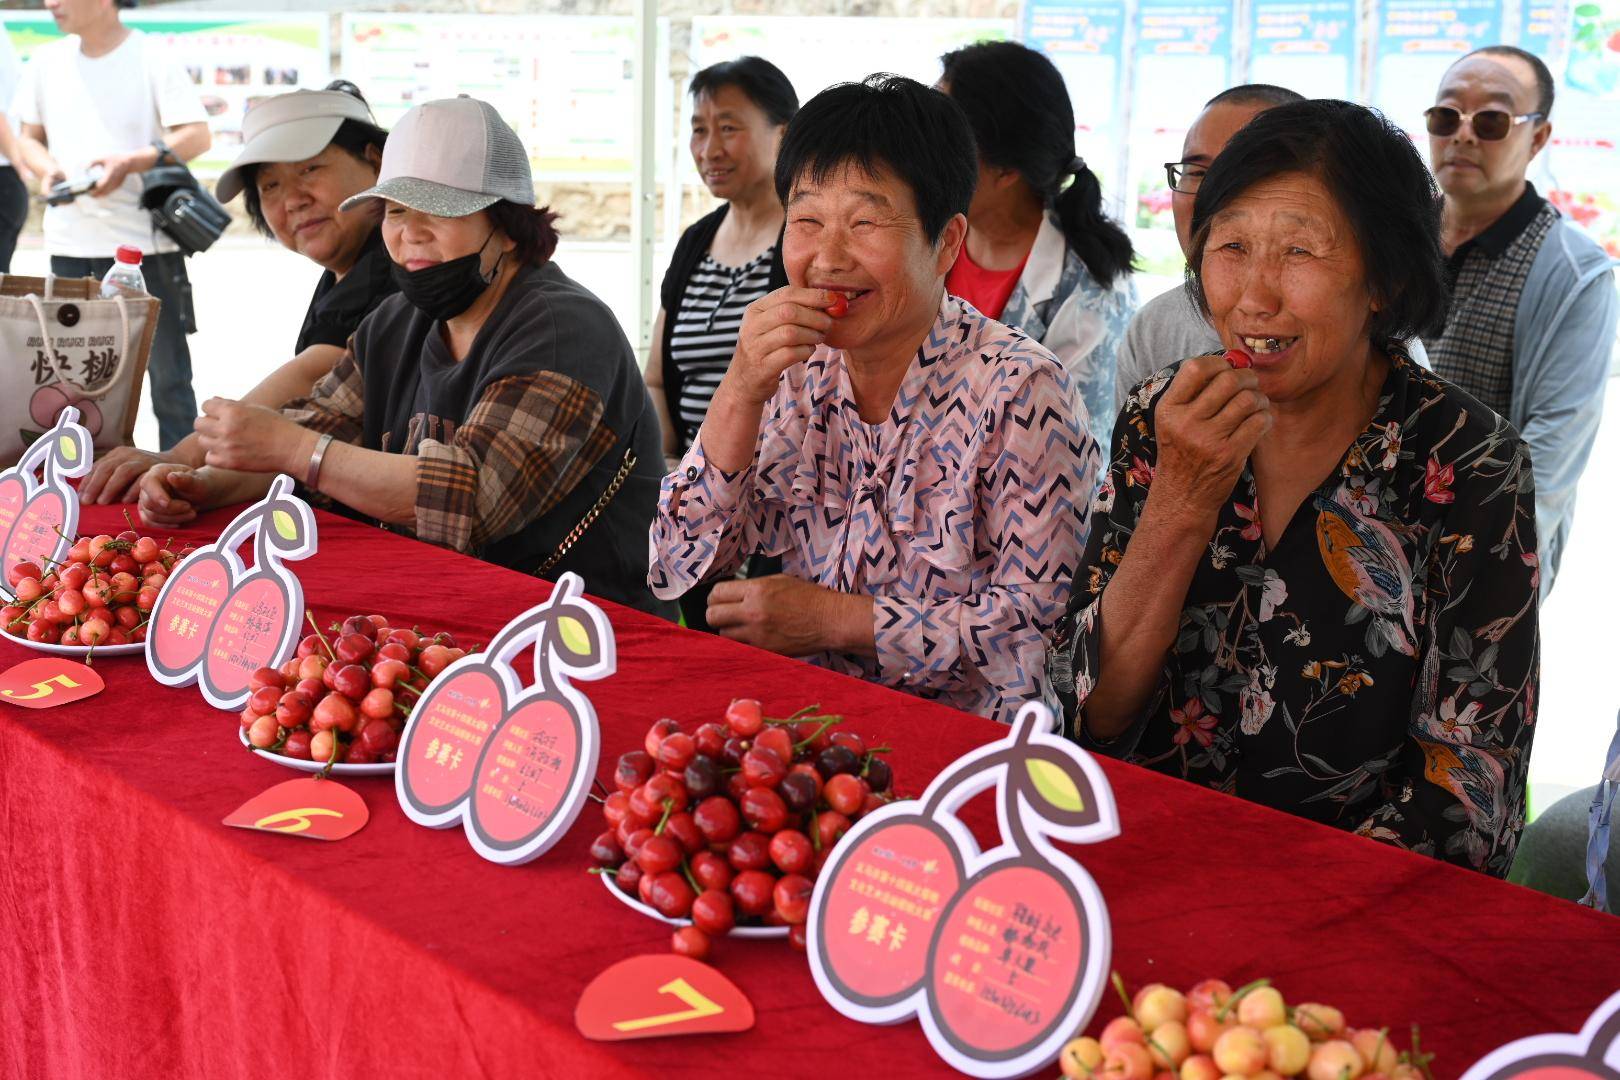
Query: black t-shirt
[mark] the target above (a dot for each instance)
(414, 389)
(338, 307)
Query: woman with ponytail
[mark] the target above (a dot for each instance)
(1040, 253)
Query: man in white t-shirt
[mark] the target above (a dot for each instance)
(107, 97)
(13, 192)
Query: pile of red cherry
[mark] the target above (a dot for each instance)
(345, 700)
(729, 825)
(101, 595)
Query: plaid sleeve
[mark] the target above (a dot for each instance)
(527, 443)
(335, 403)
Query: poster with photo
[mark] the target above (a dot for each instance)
(235, 60)
(1584, 160)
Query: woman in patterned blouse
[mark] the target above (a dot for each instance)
(1312, 582)
(920, 468)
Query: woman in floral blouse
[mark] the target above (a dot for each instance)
(1312, 581)
(921, 469)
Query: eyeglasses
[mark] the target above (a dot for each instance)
(1184, 176)
(1490, 125)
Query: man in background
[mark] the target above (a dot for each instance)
(1531, 325)
(106, 97)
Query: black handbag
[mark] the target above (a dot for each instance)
(180, 208)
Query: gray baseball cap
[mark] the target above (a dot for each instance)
(290, 127)
(451, 158)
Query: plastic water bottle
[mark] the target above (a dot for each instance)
(124, 277)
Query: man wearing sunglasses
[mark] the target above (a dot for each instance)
(1533, 305)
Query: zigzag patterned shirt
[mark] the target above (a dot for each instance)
(964, 513)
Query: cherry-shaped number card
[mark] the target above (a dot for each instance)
(1594, 1054)
(1001, 954)
(216, 621)
(39, 516)
(512, 765)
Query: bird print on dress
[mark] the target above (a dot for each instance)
(1365, 561)
(1377, 669)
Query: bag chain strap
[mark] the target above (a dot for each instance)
(592, 514)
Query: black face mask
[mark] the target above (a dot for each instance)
(444, 291)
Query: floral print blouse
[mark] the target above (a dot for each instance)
(962, 513)
(1378, 670)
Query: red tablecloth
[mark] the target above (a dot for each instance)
(141, 938)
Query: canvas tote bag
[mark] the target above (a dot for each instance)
(63, 345)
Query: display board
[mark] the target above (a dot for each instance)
(235, 60)
(1085, 40)
(1416, 41)
(1311, 46)
(1178, 44)
(566, 84)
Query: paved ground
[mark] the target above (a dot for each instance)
(250, 299)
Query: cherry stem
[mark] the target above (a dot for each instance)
(1419, 1058)
(686, 872)
(310, 615)
(1238, 995)
(803, 714)
(825, 724)
(669, 808)
(1119, 988)
(331, 760)
(609, 871)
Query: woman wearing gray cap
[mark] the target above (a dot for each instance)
(303, 154)
(493, 407)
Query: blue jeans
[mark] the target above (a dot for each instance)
(168, 373)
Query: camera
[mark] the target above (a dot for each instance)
(65, 192)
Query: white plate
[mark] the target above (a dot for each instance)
(381, 768)
(736, 931)
(131, 649)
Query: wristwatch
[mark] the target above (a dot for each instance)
(163, 151)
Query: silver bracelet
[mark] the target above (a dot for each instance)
(313, 473)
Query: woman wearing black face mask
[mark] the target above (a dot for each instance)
(494, 406)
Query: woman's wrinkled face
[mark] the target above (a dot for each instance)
(1285, 282)
(417, 241)
(860, 235)
(734, 143)
(300, 201)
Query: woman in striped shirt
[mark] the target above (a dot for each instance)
(726, 260)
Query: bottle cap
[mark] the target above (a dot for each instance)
(128, 254)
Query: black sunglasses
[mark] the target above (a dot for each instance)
(1490, 125)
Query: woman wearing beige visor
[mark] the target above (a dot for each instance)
(303, 154)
